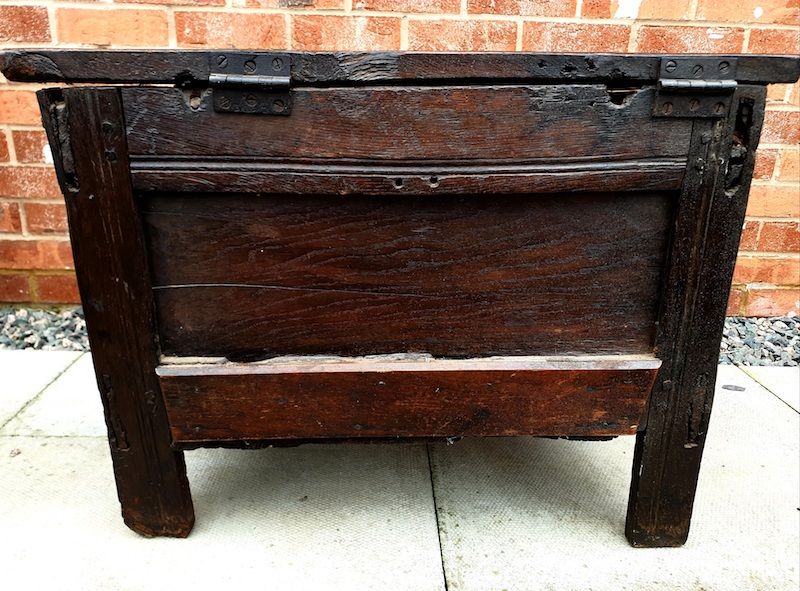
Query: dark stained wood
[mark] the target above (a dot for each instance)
(169, 66)
(87, 133)
(459, 124)
(453, 275)
(523, 218)
(697, 283)
(397, 398)
(367, 178)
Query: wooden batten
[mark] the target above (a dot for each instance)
(313, 397)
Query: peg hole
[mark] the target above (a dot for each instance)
(398, 183)
(433, 181)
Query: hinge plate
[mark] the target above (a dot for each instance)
(695, 87)
(251, 84)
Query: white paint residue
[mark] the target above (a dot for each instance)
(47, 154)
(714, 34)
(758, 12)
(628, 9)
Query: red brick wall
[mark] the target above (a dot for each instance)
(35, 261)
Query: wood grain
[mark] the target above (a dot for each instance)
(87, 134)
(397, 398)
(697, 282)
(449, 275)
(192, 67)
(461, 123)
(430, 178)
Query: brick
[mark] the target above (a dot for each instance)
(45, 218)
(790, 165)
(14, 289)
(794, 94)
(655, 39)
(29, 146)
(649, 9)
(56, 289)
(4, 155)
(523, 7)
(777, 93)
(176, 2)
(750, 11)
(28, 182)
(334, 33)
(772, 302)
(24, 24)
(574, 37)
(779, 237)
(774, 201)
(19, 107)
(115, 26)
(294, 4)
(765, 164)
(754, 269)
(9, 217)
(781, 127)
(241, 31)
(453, 35)
(434, 6)
(35, 254)
(736, 301)
(774, 41)
(749, 236)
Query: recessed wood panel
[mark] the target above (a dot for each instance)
(455, 275)
(456, 123)
(312, 398)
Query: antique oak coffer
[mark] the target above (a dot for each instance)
(281, 248)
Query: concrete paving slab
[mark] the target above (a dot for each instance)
(25, 373)
(783, 382)
(69, 406)
(524, 513)
(314, 517)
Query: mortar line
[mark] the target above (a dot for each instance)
(436, 515)
(40, 392)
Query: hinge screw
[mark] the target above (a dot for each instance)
(666, 108)
(278, 106)
(222, 61)
(719, 108)
(697, 71)
(671, 66)
(277, 64)
(250, 66)
(724, 67)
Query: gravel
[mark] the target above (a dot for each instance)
(27, 328)
(745, 341)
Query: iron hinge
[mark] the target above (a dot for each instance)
(695, 87)
(251, 84)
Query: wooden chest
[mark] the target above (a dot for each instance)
(278, 248)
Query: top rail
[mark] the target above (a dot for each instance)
(186, 68)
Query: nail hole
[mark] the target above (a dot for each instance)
(398, 183)
(434, 181)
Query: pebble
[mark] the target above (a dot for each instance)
(48, 330)
(745, 341)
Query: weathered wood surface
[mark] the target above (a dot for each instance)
(181, 66)
(456, 124)
(369, 178)
(697, 283)
(87, 134)
(248, 277)
(378, 398)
